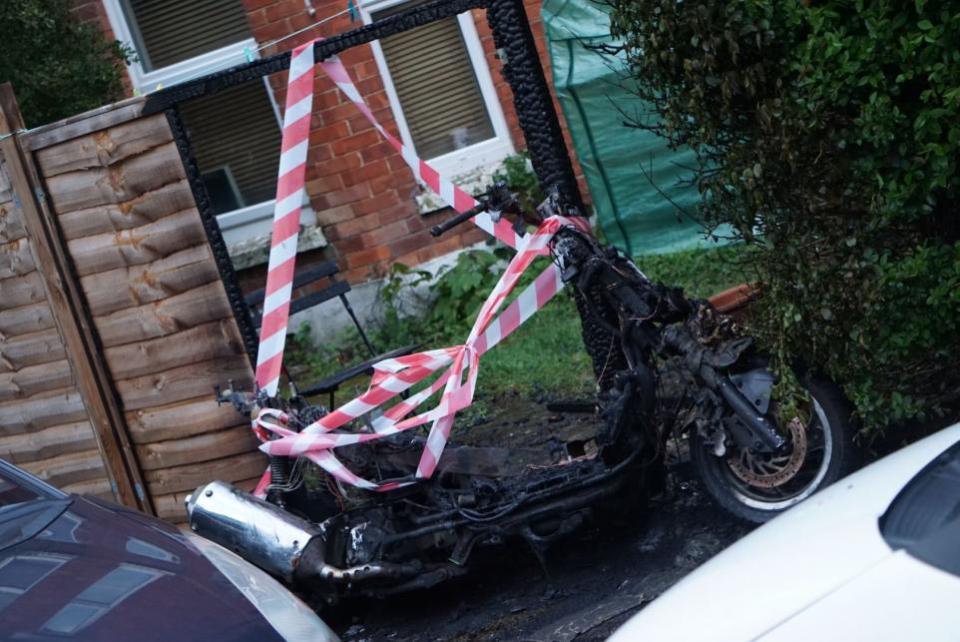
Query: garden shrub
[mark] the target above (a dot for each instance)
(454, 297)
(58, 65)
(828, 136)
(517, 172)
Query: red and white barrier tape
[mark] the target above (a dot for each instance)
(286, 218)
(391, 376)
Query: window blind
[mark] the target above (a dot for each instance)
(235, 140)
(170, 31)
(436, 86)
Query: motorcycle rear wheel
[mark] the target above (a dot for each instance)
(757, 487)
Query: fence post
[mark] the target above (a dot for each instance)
(70, 314)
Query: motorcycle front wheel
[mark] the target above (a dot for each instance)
(757, 487)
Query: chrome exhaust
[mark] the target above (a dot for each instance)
(259, 532)
(280, 543)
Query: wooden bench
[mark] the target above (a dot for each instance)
(335, 289)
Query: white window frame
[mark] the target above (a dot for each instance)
(246, 222)
(147, 81)
(484, 154)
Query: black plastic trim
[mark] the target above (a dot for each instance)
(924, 518)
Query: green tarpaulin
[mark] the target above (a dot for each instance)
(626, 168)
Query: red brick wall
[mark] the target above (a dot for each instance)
(361, 190)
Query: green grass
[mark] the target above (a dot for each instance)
(700, 273)
(546, 353)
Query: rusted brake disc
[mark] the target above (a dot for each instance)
(769, 471)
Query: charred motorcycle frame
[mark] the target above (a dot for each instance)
(638, 333)
(664, 365)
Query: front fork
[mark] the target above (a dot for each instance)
(760, 434)
(605, 295)
(757, 433)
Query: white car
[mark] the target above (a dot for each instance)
(876, 556)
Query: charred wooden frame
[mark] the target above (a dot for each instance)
(522, 70)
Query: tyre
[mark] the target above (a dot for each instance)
(757, 487)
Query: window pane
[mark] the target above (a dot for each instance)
(235, 140)
(170, 31)
(436, 86)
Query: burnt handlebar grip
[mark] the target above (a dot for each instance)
(437, 230)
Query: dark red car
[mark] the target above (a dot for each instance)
(77, 568)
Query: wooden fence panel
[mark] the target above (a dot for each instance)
(29, 381)
(114, 322)
(128, 287)
(123, 207)
(44, 425)
(144, 209)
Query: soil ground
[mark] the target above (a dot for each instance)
(593, 581)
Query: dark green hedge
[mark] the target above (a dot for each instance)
(58, 65)
(829, 137)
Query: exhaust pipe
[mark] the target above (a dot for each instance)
(259, 532)
(280, 543)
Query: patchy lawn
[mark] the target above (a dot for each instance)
(543, 357)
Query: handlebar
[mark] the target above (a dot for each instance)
(450, 223)
(497, 199)
(500, 200)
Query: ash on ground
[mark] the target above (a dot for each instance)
(593, 581)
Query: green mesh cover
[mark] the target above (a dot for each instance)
(628, 170)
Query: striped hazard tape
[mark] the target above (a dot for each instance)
(455, 368)
(286, 218)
